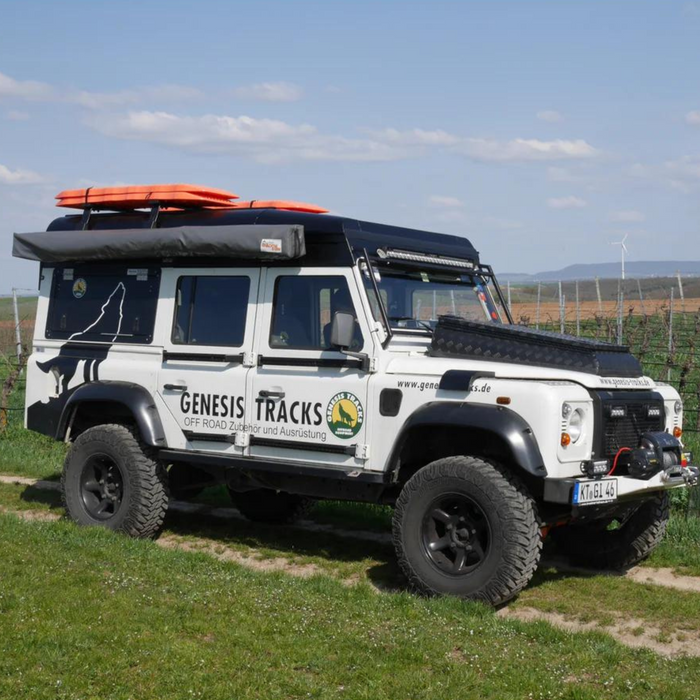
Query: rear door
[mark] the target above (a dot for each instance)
(208, 353)
(307, 400)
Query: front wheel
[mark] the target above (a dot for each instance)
(619, 545)
(463, 527)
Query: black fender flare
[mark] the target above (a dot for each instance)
(133, 396)
(503, 423)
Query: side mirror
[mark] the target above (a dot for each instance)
(342, 329)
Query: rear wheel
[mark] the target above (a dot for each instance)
(463, 527)
(110, 479)
(616, 545)
(269, 506)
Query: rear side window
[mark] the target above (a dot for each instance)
(103, 303)
(211, 310)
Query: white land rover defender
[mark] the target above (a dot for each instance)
(296, 356)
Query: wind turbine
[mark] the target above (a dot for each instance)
(623, 251)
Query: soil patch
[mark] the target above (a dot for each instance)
(637, 634)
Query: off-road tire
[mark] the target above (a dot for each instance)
(145, 486)
(593, 545)
(269, 506)
(513, 526)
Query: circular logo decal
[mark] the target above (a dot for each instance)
(345, 415)
(79, 288)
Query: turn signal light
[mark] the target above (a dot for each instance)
(565, 439)
(503, 400)
(677, 432)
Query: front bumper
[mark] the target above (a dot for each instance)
(628, 488)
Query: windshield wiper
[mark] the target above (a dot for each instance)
(423, 324)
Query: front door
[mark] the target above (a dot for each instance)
(308, 401)
(208, 354)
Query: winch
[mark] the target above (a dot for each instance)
(658, 451)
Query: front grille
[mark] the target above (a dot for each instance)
(626, 431)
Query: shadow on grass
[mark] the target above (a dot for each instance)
(349, 557)
(35, 495)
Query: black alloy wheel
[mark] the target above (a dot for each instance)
(101, 487)
(456, 534)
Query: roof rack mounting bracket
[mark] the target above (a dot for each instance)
(153, 218)
(85, 221)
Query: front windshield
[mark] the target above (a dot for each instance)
(415, 299)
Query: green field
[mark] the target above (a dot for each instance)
(228, 609)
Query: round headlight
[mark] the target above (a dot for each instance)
(575, 425)
(678, 407)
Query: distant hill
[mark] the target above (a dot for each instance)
(633, 268)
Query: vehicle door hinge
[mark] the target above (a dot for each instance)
(373, 365)
(250, 359)
(242, 440)
(362, 452)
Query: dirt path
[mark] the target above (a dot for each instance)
(638, 634)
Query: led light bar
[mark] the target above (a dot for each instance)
(420, 257)
(618, 411)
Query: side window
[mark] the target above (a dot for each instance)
(103, 303)
(303, 309)
(211, 310)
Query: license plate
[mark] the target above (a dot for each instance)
(588, 493)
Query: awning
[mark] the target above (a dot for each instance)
(245, 242)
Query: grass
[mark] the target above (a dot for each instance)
(604, 599)
(89, 614)
(85, 613)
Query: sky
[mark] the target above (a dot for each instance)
(542, 131)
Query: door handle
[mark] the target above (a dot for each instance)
(269, 394)
(175, 387)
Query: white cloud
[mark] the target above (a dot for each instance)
(415, 137)
(19, 177)
(693, 118)
(439, 200)
(683, 173)
(525, 150)
(550, 115)
(266, 140)
(270, 92)
(569, 202)
(122, 98)
(31, 90)
(272, 140)
(15, 115)
(627, 216)
(451, 216)
(25, 89)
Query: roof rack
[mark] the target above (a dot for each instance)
(166, 196)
